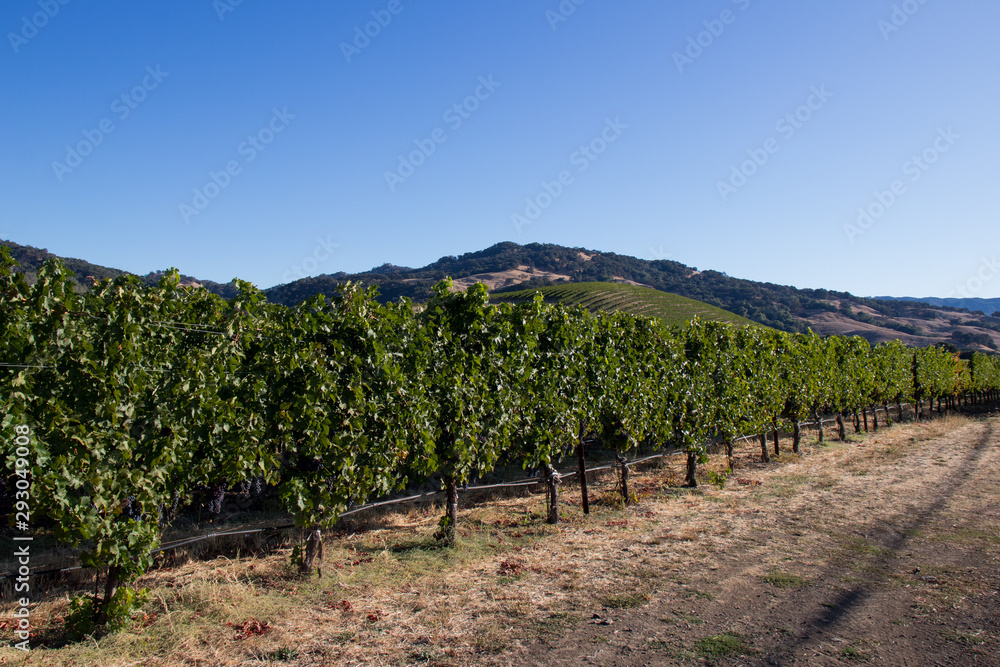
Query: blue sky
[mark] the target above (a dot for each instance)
(849, 145)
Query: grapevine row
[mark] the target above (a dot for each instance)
(139, 397)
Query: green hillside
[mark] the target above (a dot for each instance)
(670, 308)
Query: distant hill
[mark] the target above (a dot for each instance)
(986, 306)
(508, 267)
(31, 259)
(670, 309)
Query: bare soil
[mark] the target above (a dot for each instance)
(885, 551)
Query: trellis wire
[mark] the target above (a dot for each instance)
(176, 544)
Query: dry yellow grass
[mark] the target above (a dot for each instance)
(392, 596)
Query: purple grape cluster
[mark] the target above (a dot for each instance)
(218, 494)
(132, 509)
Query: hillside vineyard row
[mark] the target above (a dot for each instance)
(137, 397)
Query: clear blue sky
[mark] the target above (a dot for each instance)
(309, 129)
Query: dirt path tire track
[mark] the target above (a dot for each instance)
(889, 554)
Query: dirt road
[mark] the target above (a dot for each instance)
(885, 552)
